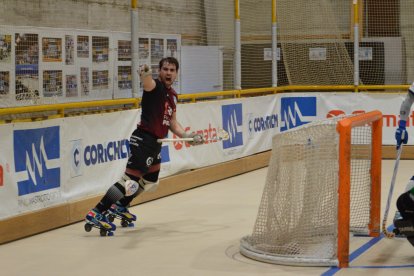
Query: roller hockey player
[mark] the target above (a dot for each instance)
(158, 116)
(404, 219)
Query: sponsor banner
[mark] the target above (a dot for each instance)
(204, 119)
(251, 124)
(37, 159)
(96, 150)
(261, 123)
(32, 167)
(55, 161)
(296, 111)
(334, 104)
(8, 189)
(300, 108)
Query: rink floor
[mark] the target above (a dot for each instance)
(196, 232)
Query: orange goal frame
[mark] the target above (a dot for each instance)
(344, 128)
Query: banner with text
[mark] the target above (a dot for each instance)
(55, 161)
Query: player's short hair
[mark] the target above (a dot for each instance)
(170, 60)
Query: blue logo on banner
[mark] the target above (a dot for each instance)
(165, 154)
(296, 111)
(233, 124)
(27, 69)
(37, 159)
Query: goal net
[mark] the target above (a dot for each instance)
(323, 182)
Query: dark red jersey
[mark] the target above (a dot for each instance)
(157, 107)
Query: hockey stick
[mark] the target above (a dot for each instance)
(388, 234)
(222, 135)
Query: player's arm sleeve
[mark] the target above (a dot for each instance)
(407, 103)
(176, 127)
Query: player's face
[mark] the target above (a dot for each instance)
(168, 74)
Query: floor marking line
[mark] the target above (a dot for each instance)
(360, 251)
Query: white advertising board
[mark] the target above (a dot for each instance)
(55, 161)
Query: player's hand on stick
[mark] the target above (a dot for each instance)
(197, 138)
(401, 134)
(144, 71)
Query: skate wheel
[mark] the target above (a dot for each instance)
(110, 233)
(111, 218)
(124, 223)
(131, 224)
(88, 227)
(103, 232)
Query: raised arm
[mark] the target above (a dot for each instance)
(145, 74)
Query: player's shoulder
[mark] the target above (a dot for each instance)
(157, 86)
(411, 88)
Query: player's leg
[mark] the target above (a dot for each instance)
(405, 225)
(97, 216)
(409, 186)
(119, 208)
(147, 183)
(144, 160)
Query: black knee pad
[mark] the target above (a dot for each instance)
(133, 177)
(405, 206)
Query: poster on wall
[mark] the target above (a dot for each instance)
(100, 49)
(52, 83)
(157, 50)
(154, 69)
(5, 48)
(172, 48)
(124, 50)
(124, 77)
(83, 46)
(143, 49)
(84, 73)
(69, 50)
(52, 49)
(4, 82)
(27, 64)
(71, 86)
(100, 79)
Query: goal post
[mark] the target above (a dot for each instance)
(344, 128)
(323, 182)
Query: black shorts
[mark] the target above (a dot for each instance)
(145, 151)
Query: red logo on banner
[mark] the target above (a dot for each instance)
(1, 175)
(337, 112)
(334, 113)
(209, 134)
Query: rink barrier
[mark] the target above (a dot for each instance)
(54, 217)
(58, 216)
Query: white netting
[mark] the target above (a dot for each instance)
(312, 42)
(297, 219)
